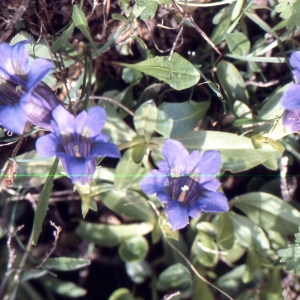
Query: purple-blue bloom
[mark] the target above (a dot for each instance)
(291, 97)
(23, 97)
(186, 184)
(291, 120)
(77, 141)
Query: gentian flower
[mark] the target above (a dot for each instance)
(291, 97)
(186, 184)
(22, 95)
(77, 141)
(291, 120)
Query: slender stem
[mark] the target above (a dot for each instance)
(113, 101)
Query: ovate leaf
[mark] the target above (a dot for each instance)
(175, 70)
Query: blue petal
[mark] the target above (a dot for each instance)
(164, 167)
(212, 184)
(13, 118)
(175, 154)
(295, 63)
(153, 183)
(63, 122)
(96, 120)
(101, 137)
(15, 62)
(212, 202)
(39, 69)
(177, 214)
(210, 165)
(291, 97)
(79, 169)
(291, 120)
(105, 149)
(47, 145)
(192, 163)
(80, 121)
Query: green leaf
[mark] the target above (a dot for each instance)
(253, 267)
(131, 76)
(291, 255)
(111, 235)
(128, 204)
(138, 271)
(42, 205)
(80, 21)
(175, 70)
(290, 11)
(242, 110)
(63, 38)
(247, 233)
(206, 251)
(133, 249)
(272, 287)
(121, 294)
(117, 129)
(66, 263)
(238, 43)
(237, 152)
(176, 119)
(232, 82)
(176, 277)
(63, 288)
(150, 7)
(268, 211)
(145, 119)
(138, 152)
(127, 170)
(225, 233)
(272, 107)
(237, 9)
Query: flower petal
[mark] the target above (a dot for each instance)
(291, 120)
(96, 120)
(295, 63)
(105, 149)
(177, 214)
(63, 121)
(291, 97)
(39, 69)
(47, 145)
(209, 165)
(175, 154)
(154, 182)
(79, 169)
(164, 167)
(213, 202)
(13, 118)
(15, 60)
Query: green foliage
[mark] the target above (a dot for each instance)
(291, 255)
(289, 10)
(42, 205)
(175, 70)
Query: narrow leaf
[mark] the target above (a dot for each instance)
(42, 205)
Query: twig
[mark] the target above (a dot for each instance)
(11, 259)
(56, 236)
(287, 191)
(113, 101)
(190, 19)
(262, 84)
(5, 33)
(176, 40)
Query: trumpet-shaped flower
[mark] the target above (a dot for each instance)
(291, 97)
(186, 184)
(22, 95)
(77, 141)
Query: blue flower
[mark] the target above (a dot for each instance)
(77, 141)
(22, 95)
(291, 97)
(291, 120)
(186, 184)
